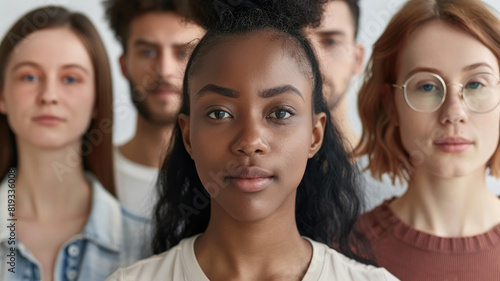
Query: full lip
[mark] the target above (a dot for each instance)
(452, 141)
(250, 179)
(453, 144)
(48, 119)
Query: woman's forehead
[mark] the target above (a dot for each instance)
(442, 46)
(256, 60)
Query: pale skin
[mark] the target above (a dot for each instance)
(252, 235)
(447, 193)
(158, 47)
(43, 77)
(340, 58)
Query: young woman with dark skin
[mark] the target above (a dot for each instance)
(257, 171)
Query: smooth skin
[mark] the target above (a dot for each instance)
(447, 192)
(50, 73)
(251, 108)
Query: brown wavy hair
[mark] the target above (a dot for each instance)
(97, 157)
(381, 139)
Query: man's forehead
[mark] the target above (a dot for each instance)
(162, 28)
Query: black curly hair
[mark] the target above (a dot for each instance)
(328, 199)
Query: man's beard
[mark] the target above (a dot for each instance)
(332, 99)
(140, 102)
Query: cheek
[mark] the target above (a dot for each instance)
(19, 105)
(415, 129)
(489, 132)
(82, 103)
(293, 145)
(208, 147)
(140, 69)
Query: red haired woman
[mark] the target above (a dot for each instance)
(430, 114)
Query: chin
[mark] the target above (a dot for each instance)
(249, 216)
(453, 171)
(248, 212)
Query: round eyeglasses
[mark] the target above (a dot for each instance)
(426, 92)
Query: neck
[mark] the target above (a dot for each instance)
(456, 207)
(51, 183)
(341, 120)
(148, 144)
(252, 250)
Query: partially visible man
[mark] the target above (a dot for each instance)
(156, 41)
(340, 57)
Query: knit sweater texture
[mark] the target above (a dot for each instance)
(413, 255)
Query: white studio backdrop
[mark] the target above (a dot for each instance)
(375, 15)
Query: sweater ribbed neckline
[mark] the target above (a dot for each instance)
(386, 221)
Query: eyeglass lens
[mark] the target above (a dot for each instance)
(426, 92)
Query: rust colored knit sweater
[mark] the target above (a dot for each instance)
(412, 255)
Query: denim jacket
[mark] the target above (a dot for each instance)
(112, 238)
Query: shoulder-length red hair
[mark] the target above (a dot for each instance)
(381, 138)
(97, 141)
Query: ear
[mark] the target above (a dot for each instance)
(183, 120)
(359, 52)
(123, 66)
(317, 133)
(389, 104)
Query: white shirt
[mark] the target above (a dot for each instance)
(135, 185)
(180, 264)
(375, 191)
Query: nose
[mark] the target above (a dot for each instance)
(167, 65)
(48, 93)
(453, 109)
(250, 139)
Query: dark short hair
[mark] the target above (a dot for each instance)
(355, 13)
(121, 12)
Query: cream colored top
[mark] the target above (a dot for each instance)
(180, 264)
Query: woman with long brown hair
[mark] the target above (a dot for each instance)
(55, 154)
(431, 116)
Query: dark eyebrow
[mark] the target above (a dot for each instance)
(330, 33)
(211, 88)
(142, 42)
(280, 90)
(267, 93)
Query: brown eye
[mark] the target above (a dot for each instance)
(218, 114)
(280, 114)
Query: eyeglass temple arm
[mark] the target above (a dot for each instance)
(398, 86)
